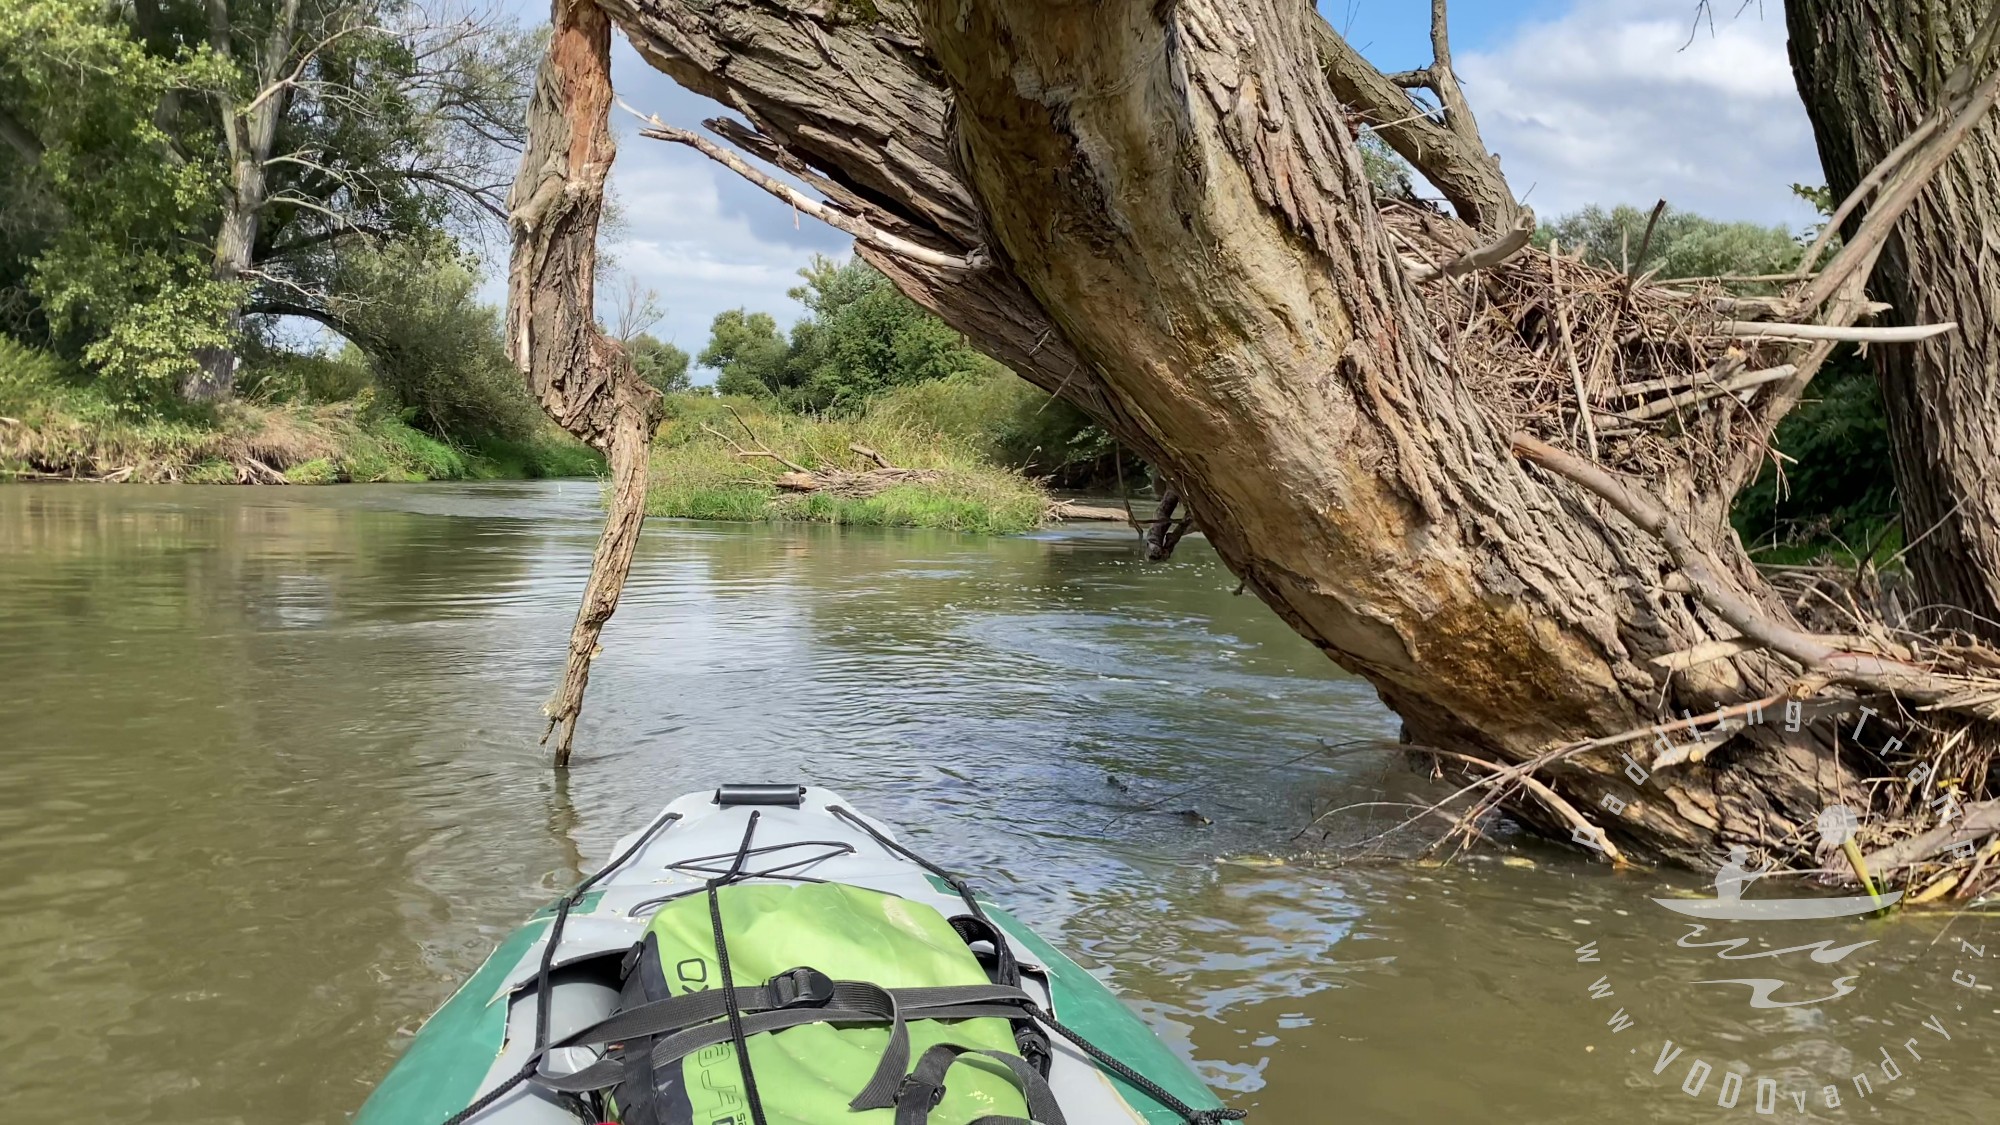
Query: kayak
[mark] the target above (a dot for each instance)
(766, 955)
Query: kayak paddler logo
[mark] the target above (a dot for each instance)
(1764, 951)
(1837, 825)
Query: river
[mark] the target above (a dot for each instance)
(269, 787)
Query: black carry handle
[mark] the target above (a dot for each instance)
(790, 796)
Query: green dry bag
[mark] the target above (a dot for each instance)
(807, 1075)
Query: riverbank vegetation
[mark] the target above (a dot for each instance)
(869, 411)
(736, 458)
(242, 242)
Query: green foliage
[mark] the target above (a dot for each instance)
(69, 428)
(319, 470)
(747, 353)
(121, 122)
(547, 455)
(275, 374)
(1821, 198)
(661, 364)
(1683, 244)
(436, 352)
(859, 338)
(103, 266)
(1837, 486)
(697, 474)
(1389, 174)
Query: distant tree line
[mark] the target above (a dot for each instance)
(182, 179)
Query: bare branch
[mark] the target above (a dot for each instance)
(1482, 257)
(1874, 179)
(1771, 330)
(855, 225)
(1734, 383)
(1448, 153)
(1704, 578)
(1547, 796)
(305, 60)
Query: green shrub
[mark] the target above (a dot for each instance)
(1838, 490)
(435, 351)
(319, 470)
(548, 455)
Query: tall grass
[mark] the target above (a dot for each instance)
(706, 465)
(1007, 421)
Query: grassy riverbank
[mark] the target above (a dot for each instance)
(733, 459)
(51, 427)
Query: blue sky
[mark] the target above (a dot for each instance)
(1590, 101)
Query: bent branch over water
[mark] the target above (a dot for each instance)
(583, 379)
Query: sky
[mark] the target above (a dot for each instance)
(1586, 101)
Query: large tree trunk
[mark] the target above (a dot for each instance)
(215, 377)
(1168, 223)
(249, 132)
(1158, 211)
(1869, 70)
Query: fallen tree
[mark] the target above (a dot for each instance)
(1159, 212)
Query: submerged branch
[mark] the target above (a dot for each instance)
(583, 379)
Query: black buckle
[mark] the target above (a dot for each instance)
(933, 1092)
(801, 988)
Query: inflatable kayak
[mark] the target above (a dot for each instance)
(764, 955)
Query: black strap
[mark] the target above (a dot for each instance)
(543, 970)
(922, 1090)
(851, 1002)
(737, 1036)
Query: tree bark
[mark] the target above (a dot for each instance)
(583, 379)
(1869, 70)
(250, 131)
(1175, 232)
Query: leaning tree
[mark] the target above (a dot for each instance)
(1493, 481)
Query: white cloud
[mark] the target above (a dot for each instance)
(1612, 103)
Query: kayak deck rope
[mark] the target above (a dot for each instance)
(738, 1037)
(543, 971)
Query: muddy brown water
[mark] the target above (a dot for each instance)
(269, 789)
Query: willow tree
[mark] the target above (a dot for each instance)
(1493, 481)
(1867, 69)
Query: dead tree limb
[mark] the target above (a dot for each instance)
(1444, 144)
(1553, 801)
(583, 379)
(856, 225)
(1484, 256)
